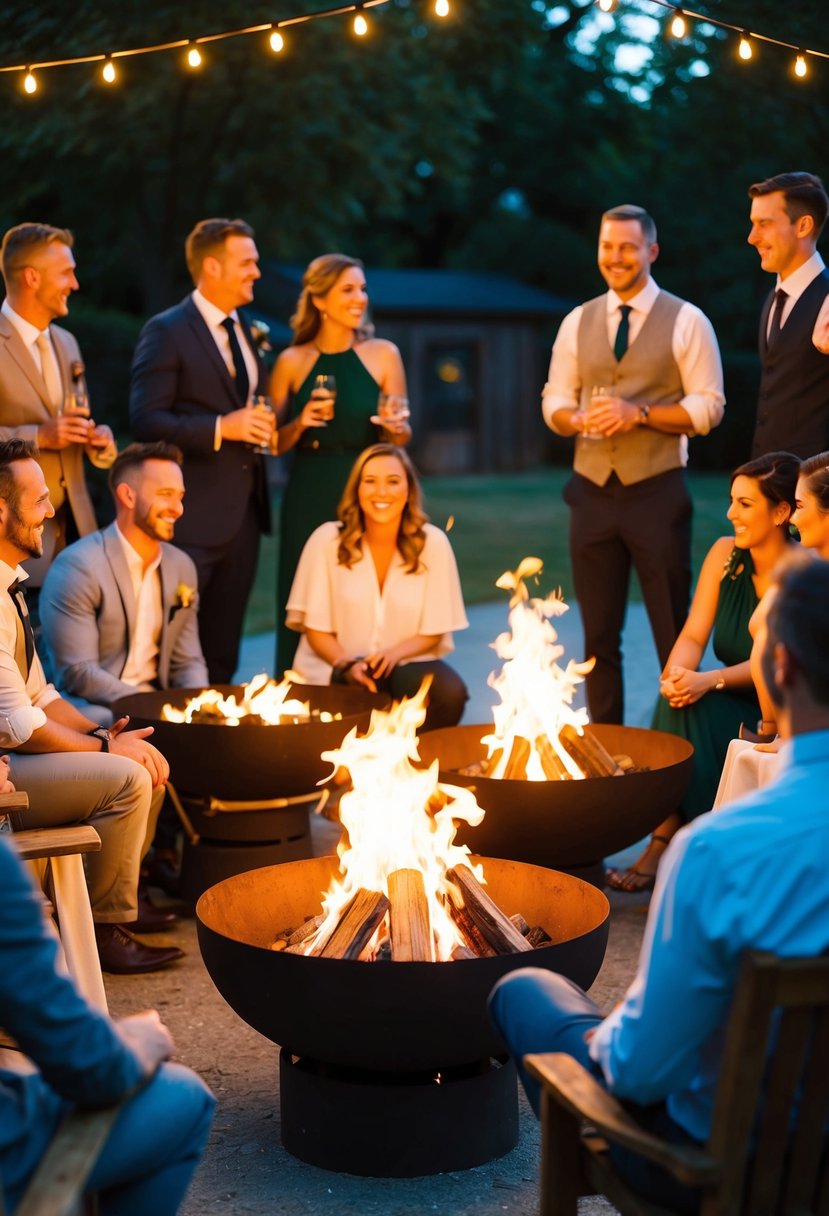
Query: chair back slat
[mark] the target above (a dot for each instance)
(809, 1147)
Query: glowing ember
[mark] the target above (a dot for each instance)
(262, 698)
(397, 817)
(536, 692)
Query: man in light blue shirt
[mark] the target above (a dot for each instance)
(752, 876)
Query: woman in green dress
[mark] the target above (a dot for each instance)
(708, 707)
(331, 338)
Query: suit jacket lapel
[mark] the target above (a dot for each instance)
(168, 599)
(62, 355)
(205, 339)
(18, 352)
(261, 370)
(120, 571)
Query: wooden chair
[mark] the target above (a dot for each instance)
(767, 1153)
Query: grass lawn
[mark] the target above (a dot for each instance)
(498, 519)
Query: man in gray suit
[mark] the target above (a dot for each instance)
(41, 373)
(119, 606)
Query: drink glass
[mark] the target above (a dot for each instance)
(391, 407)
(598, 395)
(324, 394)
(76, 402)
(269, 448)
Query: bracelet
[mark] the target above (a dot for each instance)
(720, 683)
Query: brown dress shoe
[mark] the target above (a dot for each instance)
(122, 954)
(150, 918)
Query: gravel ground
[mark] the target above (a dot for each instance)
(246, 1170)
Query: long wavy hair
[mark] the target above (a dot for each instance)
(320, 276)
(815, 472)
(411, 536)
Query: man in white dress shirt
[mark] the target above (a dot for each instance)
(788, 213)
(657, 363)
(40, 366)
(194, 374)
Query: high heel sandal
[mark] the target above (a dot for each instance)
(634, 881)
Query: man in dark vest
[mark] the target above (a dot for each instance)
(655, 360)
(787, 214)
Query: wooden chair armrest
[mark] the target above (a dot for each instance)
(18, 801)
(581, 1094)
(34, 843)
(69, 1160)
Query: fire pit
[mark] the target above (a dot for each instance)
(245, 790)
(566, 824)
(388, 1068)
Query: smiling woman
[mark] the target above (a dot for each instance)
(377, 596)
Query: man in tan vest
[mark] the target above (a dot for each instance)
(633, 373)
(42, 381)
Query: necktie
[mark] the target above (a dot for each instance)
(49, 370)
(780, 298)
(622, 333)
(242, 382)
(25, 633)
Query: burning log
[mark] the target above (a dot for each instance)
(294, 941)
(498, 929)
(358, 922)
(411, 932)
(553, 765)
(592, 758)
(538, 937)
(520, 923)
(478, 946)
(516, 769)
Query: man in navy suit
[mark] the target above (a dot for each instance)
(194, 374)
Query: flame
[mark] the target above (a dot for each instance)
(391, 821)
(262, 697)
(536, 692)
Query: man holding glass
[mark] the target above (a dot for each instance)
(633, 373)
(198, 382)
(42, 388)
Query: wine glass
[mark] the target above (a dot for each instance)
(76, 402)
(324, 394)
(598, 394)
(391, 407)
(269, 448)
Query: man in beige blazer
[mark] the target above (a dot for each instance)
(40, 367)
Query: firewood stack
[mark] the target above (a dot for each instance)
(485, 929)
(590, 755)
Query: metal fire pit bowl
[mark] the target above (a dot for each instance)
(250, 762)
(566, 824)
(392, 1016)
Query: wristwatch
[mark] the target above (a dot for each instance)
(101, 732)
(644, 414)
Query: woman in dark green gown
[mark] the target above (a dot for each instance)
(331, 338)
(707, 707)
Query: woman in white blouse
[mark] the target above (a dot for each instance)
(376, 595)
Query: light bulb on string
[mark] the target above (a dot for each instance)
(679, 26)
(801, 68)
(360, 25)
(608, 6)
(108, 72)
(441, 8)
(275, 41)
(194, 56)
(30, 81)
(746, 50)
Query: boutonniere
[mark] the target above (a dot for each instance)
(185, 596)
(260, 331)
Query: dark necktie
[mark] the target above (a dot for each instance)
(19, 601)
(623, 332)
(242, 382)
(780, 298)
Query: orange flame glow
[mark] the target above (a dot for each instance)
(262, 697)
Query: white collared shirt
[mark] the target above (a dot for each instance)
(213, 318)
(141, 667)
(694, 347)
(794, 287)
(29, 334)
(21, 701)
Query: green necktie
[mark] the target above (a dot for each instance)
(621, 343)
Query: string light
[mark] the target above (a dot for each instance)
(441, 8)
(30, 81)
(360, 25)
(276, 41)
(194, 57)
(746, 50)
(108, 71)
(801, 68)
(679, 26)
(608, 6)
